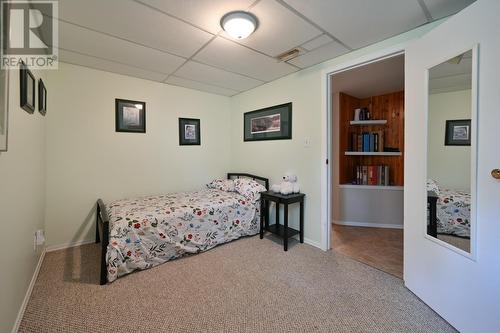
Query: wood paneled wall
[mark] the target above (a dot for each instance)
(389, 107)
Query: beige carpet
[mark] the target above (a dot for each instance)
(249, 285)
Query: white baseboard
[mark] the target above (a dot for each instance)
(312, 243)
(67, 245)
(368, 224)
(27, 297)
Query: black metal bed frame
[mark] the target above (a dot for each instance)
(431, 205)
(102, 224)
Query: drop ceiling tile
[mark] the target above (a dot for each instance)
(323, 53)
(135, 22)
(81, 40)
(317, 42)
(218, 77)
(358, 23)
(109, 66)
(205, 14)
(225, 54)
(450, 83)
(442, 8)
(279, 29)
(178, 81)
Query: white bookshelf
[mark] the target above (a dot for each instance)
(373, 153)
(368, 122)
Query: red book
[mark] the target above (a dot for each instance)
(372, 175)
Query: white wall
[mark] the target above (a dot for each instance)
(448, 165)
(273, 158)
(22, 202)
(87, 159)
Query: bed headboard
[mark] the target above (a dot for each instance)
(247, 175)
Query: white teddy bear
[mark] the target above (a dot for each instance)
(288, 185)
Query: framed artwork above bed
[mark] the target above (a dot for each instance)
(130, 116)
(189, 132)
(27, 88)
(4, 108)
(458, 132)
(272, 123)
(42, 97)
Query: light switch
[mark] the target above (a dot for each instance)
(307, 142)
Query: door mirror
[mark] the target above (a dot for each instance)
(451, 159)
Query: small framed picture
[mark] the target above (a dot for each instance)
(130, 116)
(272, 123)
(458, 132)
(189, 132)
(42, 97)
(27, 90)
(4, 108)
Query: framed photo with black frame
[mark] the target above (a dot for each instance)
(4, 109)
(458, 132)
(27, 88)
(189, 132)
(42, 97)
(130, 116)
(272, 123)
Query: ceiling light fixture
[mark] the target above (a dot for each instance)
(239, 24)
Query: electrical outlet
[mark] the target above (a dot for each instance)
(39, 239)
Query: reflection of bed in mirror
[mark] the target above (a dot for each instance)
(448, 213)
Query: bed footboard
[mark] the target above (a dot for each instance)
(102, 236)
(431, 204)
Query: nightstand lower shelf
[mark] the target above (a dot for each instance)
(280, 230)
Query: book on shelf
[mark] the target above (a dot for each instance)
(372, 175)
(367, 142)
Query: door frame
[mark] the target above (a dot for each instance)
(327, 132)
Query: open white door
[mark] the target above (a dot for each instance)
(464, 290)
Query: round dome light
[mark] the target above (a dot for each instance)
(239, 24)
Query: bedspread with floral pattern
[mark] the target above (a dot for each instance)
(453, 213)
(148, 231)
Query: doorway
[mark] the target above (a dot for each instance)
(367, 173)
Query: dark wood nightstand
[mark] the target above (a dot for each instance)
(281, 230)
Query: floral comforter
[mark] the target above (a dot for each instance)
(148, 231)
(453, 213)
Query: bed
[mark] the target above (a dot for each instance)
(140, 233)
(449, 211)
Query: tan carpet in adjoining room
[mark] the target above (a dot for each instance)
(249, 285)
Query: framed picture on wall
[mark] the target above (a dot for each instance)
(272, 123)
(42, 97)
(4, 108)
(458, 132)
(27, 85)
(130, 116)
(189, 132)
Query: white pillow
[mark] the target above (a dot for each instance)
(432, 186)
(249, 188)
(222, 184)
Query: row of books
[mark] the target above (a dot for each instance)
(367, 141)
(372, 175)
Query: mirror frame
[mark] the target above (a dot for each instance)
(474, 129)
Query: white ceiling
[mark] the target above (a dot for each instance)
(180, 42)
(450, 76)
(378, 78)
